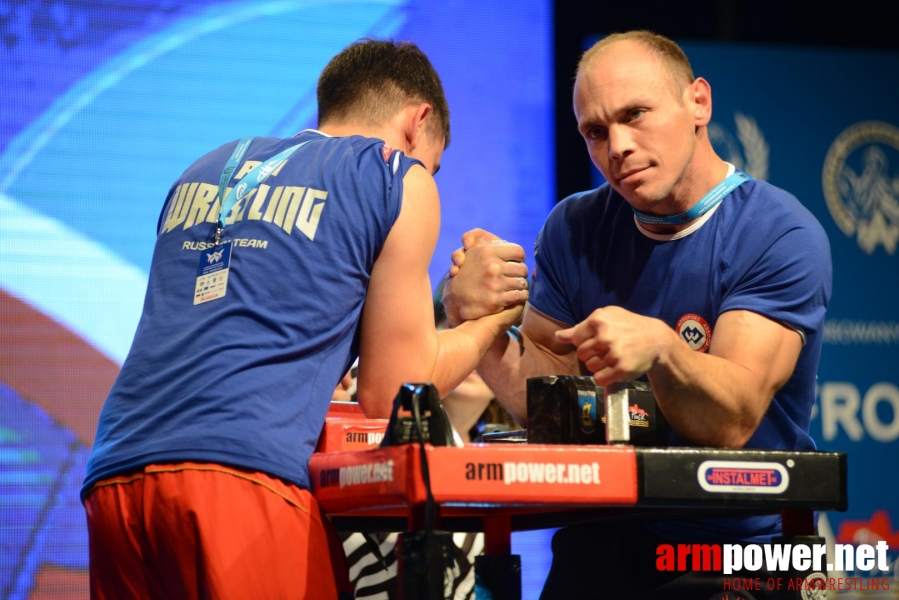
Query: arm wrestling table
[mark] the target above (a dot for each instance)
(499, 488)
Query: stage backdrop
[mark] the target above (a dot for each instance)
(824, 125)
(102, 105)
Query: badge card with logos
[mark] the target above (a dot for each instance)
(212, 273)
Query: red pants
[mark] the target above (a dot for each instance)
(191, 531)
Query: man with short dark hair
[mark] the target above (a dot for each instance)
(681, 269)
(277, 263)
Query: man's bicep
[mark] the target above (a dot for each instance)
(398, 339)
(540, 330)
(767, 348)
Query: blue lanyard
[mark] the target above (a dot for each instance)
(249, 182)
(708, 202)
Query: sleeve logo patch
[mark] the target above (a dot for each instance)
(696, 331)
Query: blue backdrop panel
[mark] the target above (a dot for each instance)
(825, 126)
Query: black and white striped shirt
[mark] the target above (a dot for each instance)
(374, 579)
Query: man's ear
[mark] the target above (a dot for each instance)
(415, 123)
(700, 93)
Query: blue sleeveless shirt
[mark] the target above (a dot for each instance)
(245, 380)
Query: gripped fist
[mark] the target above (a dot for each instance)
(487, 276)
(617, 345)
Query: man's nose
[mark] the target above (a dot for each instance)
(621, 142)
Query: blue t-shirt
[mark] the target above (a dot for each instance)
(246, 380)
(759, 250)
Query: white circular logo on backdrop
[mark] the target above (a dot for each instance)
(815, 587)
(748, 151)
(861, 191)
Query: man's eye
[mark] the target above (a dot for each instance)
(635, 114)
(597, 133)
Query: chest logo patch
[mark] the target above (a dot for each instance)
(696, 331)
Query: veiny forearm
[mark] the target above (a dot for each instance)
(709, 400)
(509, 363)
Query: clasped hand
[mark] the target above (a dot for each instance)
(487, 276)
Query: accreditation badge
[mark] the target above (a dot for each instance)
(212, 274)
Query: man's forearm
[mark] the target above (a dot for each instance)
(708, 400)
(718, 399)
(509, 363)
(460, 349)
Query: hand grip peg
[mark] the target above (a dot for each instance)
(618, 420)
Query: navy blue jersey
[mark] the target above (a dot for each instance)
(760, 250)
(245, 380)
